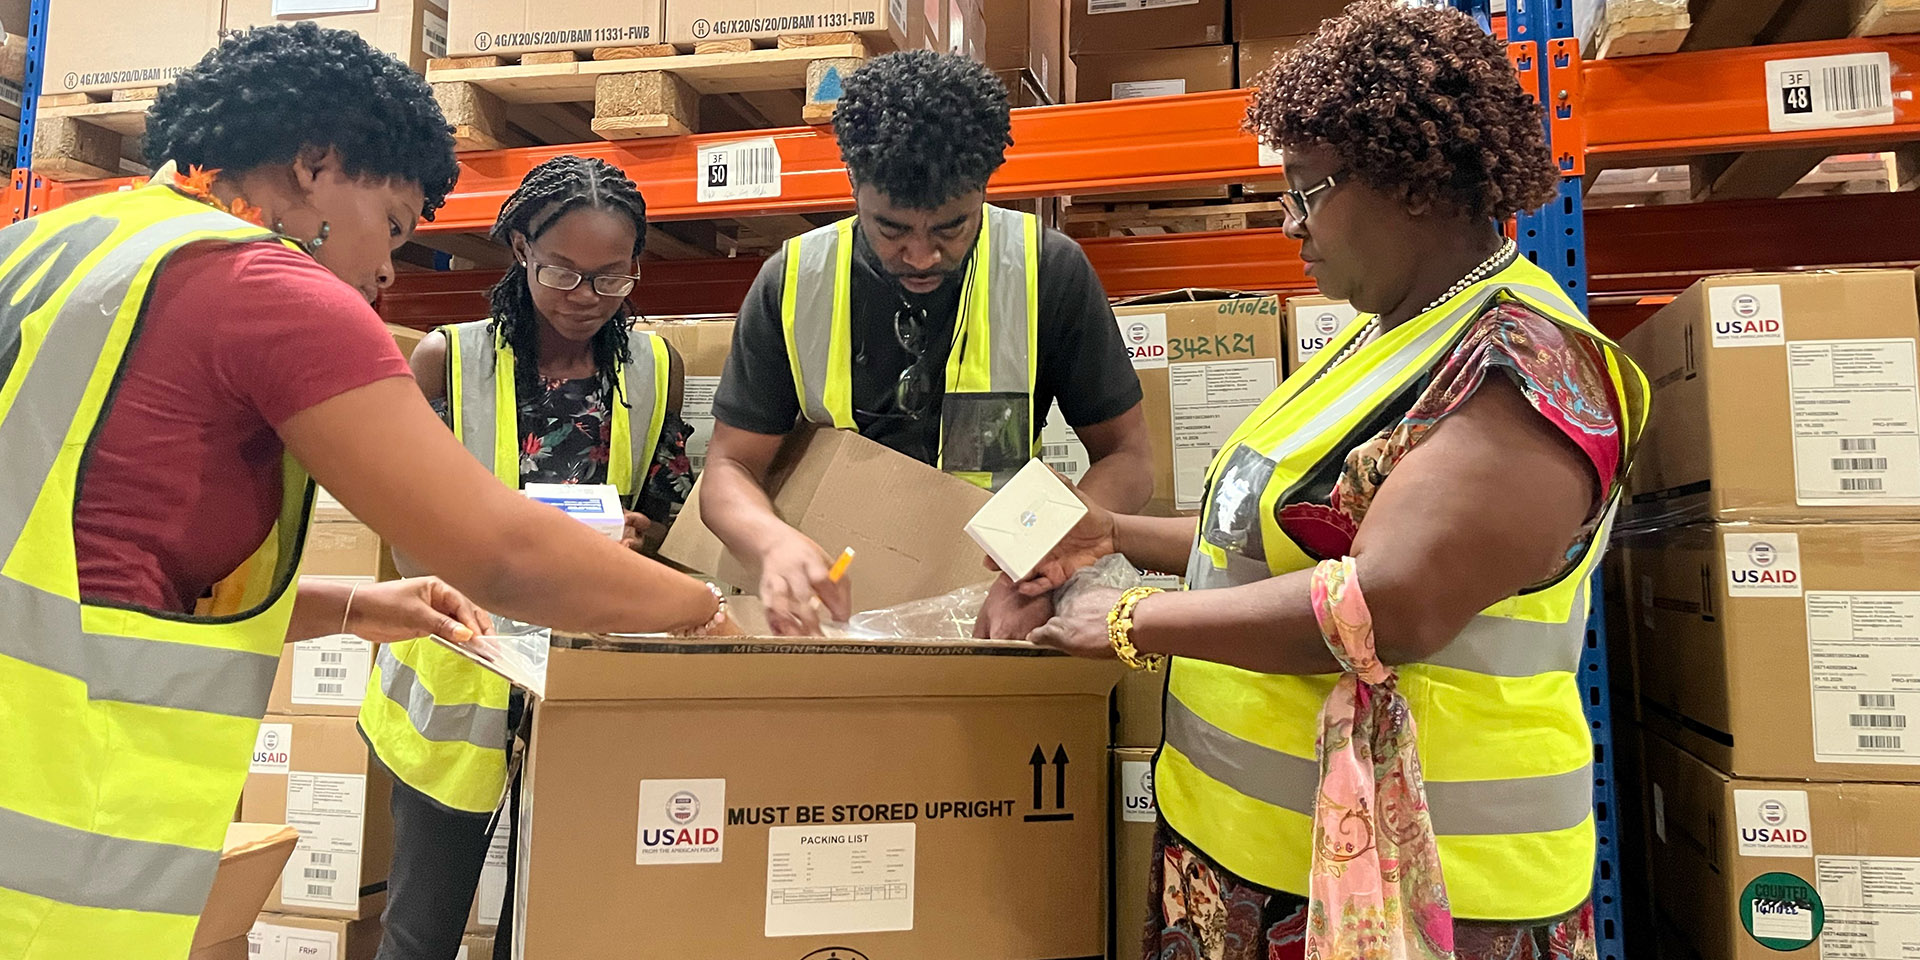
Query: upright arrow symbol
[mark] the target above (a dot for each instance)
(1039, 763)
(1060, 776)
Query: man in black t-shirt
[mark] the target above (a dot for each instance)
(931, 322)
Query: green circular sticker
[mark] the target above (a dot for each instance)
(1782, 912)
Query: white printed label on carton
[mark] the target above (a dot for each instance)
(433, 34)
(1136, 792)
(272, 748)
(742, 170)
(1209, 401)
(1747, 316)
(492, 892)
(1773, 823)
(1316, 326)
(1135, 89)
(696, 408)
(1864, 652)
(1659, 813)
(329, 810)
(1856, 422)
(331, 671)
(1873, 907)
(1061, 448)
(271, 941)
(1763, 565)
(897, 9)
(1823, 93)
(1145, 336)
(1775, 920)
(838, 880)
(307, 8)
(681, 821)
(1124, 6)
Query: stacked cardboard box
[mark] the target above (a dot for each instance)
(1026, 44)
(315, 774)
(703, 346)
(1774, 611)
(278, 936)
(509, 28)
(250, 861)
(1313, 322)
(1121, 49)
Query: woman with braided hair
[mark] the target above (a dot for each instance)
(592, 401)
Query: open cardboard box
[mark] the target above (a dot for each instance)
(250, 864)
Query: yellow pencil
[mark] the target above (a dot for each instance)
(840, 566)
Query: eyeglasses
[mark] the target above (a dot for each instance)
(914, 390)
(562, 278)
(1294, 202)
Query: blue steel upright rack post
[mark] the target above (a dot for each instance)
(36, 36)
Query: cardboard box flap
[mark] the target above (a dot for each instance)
(250, 864)
(669, 668)
(1188, 295)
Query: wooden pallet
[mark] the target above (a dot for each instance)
(1638, 27)
(83, 136)
(648, 91)
(1138, 219)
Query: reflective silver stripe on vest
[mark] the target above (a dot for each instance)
(54, 385)
(642, 394)
(481, 726)
(819, 253)
(1459, 807)
(45, 859)
(1505, 647)
(1006, 276)
(476, 397)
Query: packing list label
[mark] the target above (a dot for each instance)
(1772, 823)
(681, 821)
(329, 810)
(1856, 422)
(1061, 448)
(272, 748)
(1209, 401)
(835, 880)
(696, 408)
(271, 941)
(331, 671)
(1873, 907)
(1865, 653)
(1762, 565)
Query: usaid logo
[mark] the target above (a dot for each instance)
(683, 807)
(1773, 813)
(1747, 316)
(270, 740)
(1138, 332)
(1326, 324)
(1746, 306)
(1762, 554)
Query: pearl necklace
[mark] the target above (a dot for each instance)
(1486, 268)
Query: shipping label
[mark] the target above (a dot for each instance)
(1747, 316)
(1136, 792)
(1136, 89)
(742, 170)
(839, 880)
(272, 748)
(1856, 422)
(696, 408)
(1873, 907)
(1314, 327)
(433, 34)
(1824, 93)
(681, 821)
(272, 941)
(1209, 401)
(1061, 448)
(1762, 565)
(331, 671)
(1772, 823)
(329, 810)
(1864, 649)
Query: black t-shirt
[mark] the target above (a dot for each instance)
(1082, 364)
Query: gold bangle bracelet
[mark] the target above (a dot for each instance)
(1120, 630)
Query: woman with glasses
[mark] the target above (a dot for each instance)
(1456, 454)
(588, 400)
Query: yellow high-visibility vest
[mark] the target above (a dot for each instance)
(434, 718)
(987, 425)
(125, 734)
(1504, 743)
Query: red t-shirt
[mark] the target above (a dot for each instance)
(183, 481)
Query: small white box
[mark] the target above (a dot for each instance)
(595, 504)
(1026, 519)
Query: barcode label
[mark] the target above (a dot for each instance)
(332, 656)
(743, 170)
(1861, 484)
(336, 673)
(320, 873)
(1877, 742)
(1880, 721)
(433, 34)
(1820, 93)
(1859, 444)
(1055, 451)
(329, 688)
(1860, 463)
(253, 947)
(324, 890)
(1876, 701)
(324, 859)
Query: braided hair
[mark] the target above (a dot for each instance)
(550, 191)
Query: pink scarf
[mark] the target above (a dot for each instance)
(1376, 892)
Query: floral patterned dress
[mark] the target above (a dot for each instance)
(1199, 911)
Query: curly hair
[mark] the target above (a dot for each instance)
(923, 127)
(269, 94)
(1418, 101)
(547, 192)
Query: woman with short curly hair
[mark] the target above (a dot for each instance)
(175, 362)
(1398, 539)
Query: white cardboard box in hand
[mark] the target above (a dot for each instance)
(1026, 519)
(595, 504)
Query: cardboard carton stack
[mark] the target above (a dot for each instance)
(703, 346)
(1774, 612)
(1312, 323)
(1026, 47)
